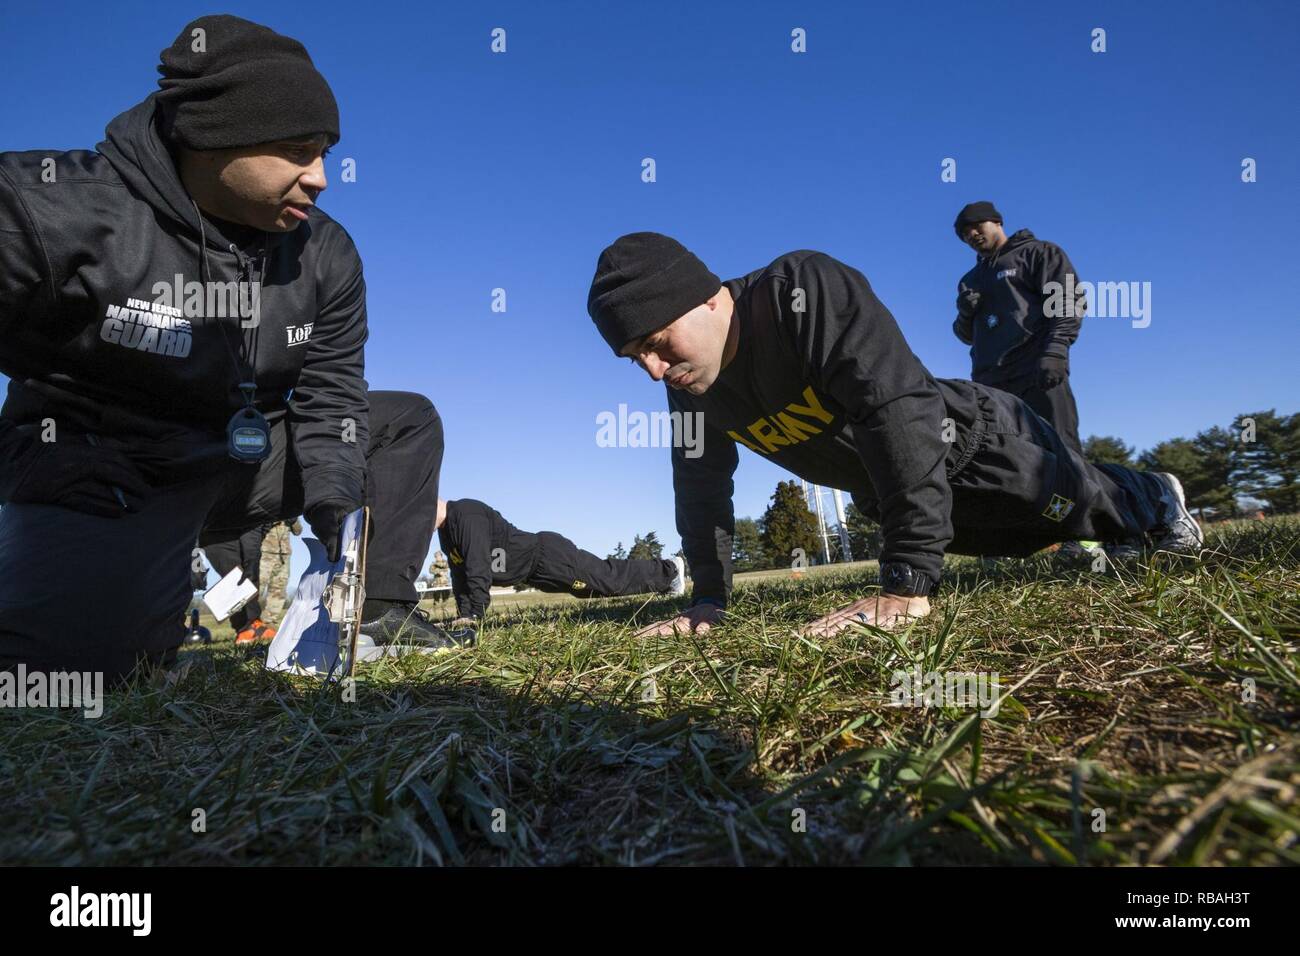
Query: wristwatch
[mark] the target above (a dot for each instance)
(897, 577)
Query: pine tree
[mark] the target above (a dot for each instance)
(648, 547)
(619, 553)
(864, 534)
(788, 525)
(747, 547)
(1108, 450)
(1220, 463)
(1268, 458)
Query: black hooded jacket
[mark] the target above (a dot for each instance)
(1011, 329)
(106, 327)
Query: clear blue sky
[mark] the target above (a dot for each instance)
(477, 171)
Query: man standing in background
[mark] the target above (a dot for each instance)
(1004, 307)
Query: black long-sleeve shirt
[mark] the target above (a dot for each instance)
(1012, 328)
(824, 385)
(483, 549)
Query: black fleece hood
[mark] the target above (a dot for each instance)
(133, 144)
(1014, 241)
(134, 147)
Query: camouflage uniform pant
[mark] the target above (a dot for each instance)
(273, 573)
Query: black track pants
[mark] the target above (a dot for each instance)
(1024, 488)
(402, 466)
(561, 566)
(1056, 405)
(80, 592)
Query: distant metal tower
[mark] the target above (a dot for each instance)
(821, 524)
(812, 495)
(845, 545)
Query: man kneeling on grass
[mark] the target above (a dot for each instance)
(801, 363)
(152, 403)
(484, 549)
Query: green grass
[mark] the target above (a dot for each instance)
(1123, 693)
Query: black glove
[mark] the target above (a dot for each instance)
(75, 474)
(326, 520)
(968, 303)
(1052, 371)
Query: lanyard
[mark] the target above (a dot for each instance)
(248, 434)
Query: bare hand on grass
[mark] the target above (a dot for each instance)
(883, 610)
(694, 620)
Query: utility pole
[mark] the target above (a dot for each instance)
(821, 525)
(845, 545)
(812, 496)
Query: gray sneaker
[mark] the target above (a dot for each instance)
(1179, 531)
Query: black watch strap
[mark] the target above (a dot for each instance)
(898, 577)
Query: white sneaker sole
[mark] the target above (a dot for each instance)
(678, 588)
(367, 650)
(1178, 499)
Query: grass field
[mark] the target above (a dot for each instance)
(1145, 716)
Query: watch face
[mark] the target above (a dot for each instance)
(897, 577)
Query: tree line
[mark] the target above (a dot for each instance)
(1251, 466)
(643, 547)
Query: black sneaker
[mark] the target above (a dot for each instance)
(1077, 552)
(405, 629)
(1126, 551)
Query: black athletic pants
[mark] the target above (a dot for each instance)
(1020, 488)
(1056, 405)
(561, 566)
(80, 592)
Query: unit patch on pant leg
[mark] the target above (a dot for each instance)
(1058, 508)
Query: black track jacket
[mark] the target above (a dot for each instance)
(1011, 329)
(94, 335)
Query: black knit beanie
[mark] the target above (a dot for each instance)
(643, 282)
(974, 212)
(245, 84)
